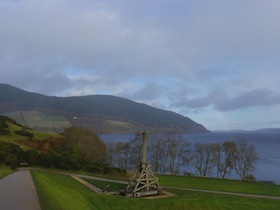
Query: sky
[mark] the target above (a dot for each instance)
(216, 62)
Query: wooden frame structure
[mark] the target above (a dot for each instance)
(143, 182)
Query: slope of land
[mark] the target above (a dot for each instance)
(101, 113)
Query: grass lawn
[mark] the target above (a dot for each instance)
(220, 185)
(63, 192)
(4, 171)
(102, 184)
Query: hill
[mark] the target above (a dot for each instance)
(101, 113)
(268, 130)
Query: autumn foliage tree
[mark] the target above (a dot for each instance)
(83, 145)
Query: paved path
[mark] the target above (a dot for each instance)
(88, 185)
(17, 192)
(225, 193)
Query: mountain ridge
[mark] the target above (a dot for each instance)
(102, 113)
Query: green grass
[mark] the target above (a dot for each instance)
(62, 192)
(102, 184)
(220, 185)
(215, 184)
(4, 171)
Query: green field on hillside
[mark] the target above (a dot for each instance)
(63, 192)
(26, 142)
(39, 121)
(13, 136)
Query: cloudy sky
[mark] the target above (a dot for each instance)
(216, 62)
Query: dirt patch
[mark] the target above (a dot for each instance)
(165, 195)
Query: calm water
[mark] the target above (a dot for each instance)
(266, 145)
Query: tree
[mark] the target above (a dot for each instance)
(4, 129)
(229, 152)
(163, 156)
(125, 155)
(217, 158)
(156, 152)
(111, 152)
(82, 144)
(122, 157)
(135, 150)
(245, 159)
(202, 159)
(10, 154)
(178, 152)
(77, 151)
(223, 157)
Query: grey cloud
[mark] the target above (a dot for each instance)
(126, 47)
(261, 97)
(222, 102)
(150, 92)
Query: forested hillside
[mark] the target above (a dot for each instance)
(100, 113)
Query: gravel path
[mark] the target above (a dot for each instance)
(17, 192)
(225, 193)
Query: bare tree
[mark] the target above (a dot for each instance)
(111, 152)
(217, 158)
(221, 157)
(122, 151)
(135, 150)
(202, 159)
(229, 152)
(155, 151)
(245, 159)
(163, 158)
(178, 152)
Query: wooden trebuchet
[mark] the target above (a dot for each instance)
(143, 182)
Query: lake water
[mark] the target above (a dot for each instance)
(267, 146)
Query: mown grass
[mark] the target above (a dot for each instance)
(63, 192)
(4, 171)
(220, 185)
(102, 184)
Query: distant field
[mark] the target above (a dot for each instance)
(119, 125)
(16, 116)
(15, 138)
(63, 192)
(38, 120)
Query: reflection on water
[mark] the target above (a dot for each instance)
(266, 145)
